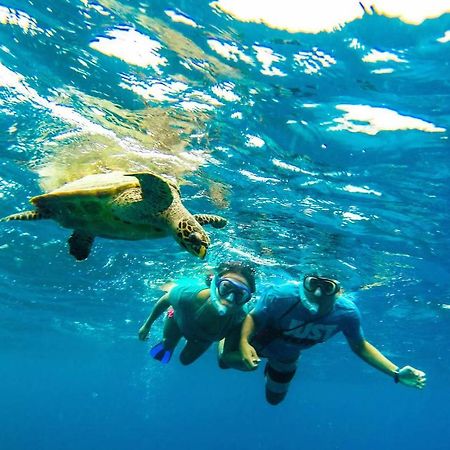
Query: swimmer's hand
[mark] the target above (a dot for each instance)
(412, 377)
(143, 332)
(249, 356)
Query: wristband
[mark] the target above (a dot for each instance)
(396, 377)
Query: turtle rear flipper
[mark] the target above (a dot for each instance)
(80, 245)
(210, 219)
(24, 215)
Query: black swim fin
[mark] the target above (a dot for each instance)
(160, 353)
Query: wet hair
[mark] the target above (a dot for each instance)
(241, 268)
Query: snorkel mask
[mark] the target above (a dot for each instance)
(230, 290)
(328, 288)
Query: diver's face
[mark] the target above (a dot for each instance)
(321, 291)
(233, 290)
(324, 302)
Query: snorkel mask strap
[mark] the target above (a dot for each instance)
(215, 300)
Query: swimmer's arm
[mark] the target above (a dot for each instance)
(248, 354)
(248, 328)
(161, 305)
(368, 353)
(406, 375)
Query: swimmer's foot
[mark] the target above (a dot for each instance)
(160, 353)
(221, 363)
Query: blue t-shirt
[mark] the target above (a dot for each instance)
(193, 316)
(284, 327)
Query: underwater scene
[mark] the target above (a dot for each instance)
(237, 155)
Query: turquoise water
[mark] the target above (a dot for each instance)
(324, 151)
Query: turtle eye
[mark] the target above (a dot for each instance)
(195, 238)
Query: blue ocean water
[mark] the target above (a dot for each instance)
(325, 151)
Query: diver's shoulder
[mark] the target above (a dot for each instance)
(187, 287)
(345, 304)
(285, 289)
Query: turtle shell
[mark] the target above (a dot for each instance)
(99, 185)
(109, 205)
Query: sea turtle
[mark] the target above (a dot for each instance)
(118, 205)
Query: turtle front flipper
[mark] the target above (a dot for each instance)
(210, 219)
(156, 191)
(24, 215)
(80, 245)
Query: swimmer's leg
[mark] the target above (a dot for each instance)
(229, 354)
(220, 360)
(192, 350)
(171, 333)
(278, 377)
(171, 336)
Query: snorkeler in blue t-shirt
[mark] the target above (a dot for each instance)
(202, 313)
(293, 317)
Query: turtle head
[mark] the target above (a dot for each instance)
(191, 236)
